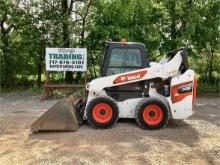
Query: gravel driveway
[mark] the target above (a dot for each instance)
(192, 141)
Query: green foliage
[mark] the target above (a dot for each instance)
(34, 89)
(28, 27)
(208, 89)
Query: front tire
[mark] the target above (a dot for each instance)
(102, 112)
(152, 113)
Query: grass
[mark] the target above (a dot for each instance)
(33, 89)
(36, 90)
(207, 89)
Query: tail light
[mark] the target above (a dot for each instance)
(194, 91)
(180, 91)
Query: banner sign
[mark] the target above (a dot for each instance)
(66, 59)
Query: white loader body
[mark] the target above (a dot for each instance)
(180, 105)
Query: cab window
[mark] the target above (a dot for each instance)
(124, 60)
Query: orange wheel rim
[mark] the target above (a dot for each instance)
(102, 112)
(152, 114)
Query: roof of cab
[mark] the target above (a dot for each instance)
(128, 43)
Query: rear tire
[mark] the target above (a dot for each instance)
(152, 113)
(102, 112)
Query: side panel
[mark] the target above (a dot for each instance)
(127, 108)
(181, 95)
(126, 91)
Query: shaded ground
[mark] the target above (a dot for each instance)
(192, 141)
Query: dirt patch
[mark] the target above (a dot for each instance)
(192, 141)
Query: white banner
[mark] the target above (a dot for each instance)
(66, 59)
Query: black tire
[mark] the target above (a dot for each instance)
(139, 116)
(102, 125)
(79, 107)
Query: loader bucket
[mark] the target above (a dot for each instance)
(61, 116)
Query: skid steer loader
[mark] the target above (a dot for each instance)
(129, 87)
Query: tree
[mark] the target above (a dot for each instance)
(207, 33)
(28, 27)
(9, 23)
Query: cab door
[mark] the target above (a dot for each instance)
(121, 58)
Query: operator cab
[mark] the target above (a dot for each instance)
(123, 57)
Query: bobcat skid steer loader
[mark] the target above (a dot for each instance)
(129, 87)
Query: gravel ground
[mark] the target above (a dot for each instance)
(192, 141)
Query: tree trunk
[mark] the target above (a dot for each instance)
(39, 71)
(65, 31)
(82, 34)
(7, 75)
(173, 33)
(93, 64)
(40, 59)
(210, 69)
(82, 43)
